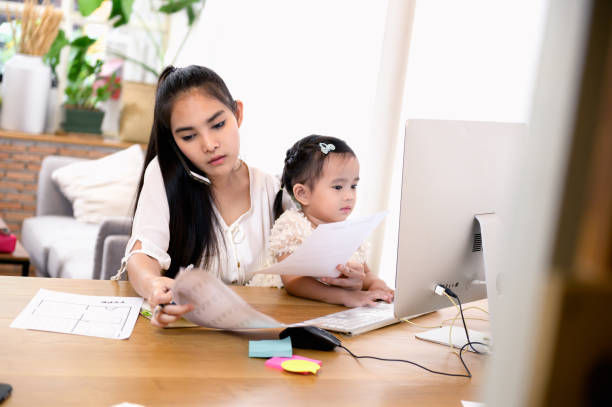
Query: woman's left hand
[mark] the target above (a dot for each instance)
(352, 276)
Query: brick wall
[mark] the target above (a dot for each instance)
(19, 165)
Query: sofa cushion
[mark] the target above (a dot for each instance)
(71, 259)
(103, 187)
(40, 233)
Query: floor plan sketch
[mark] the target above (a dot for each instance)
(106, 317)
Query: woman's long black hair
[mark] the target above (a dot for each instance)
(192, 220)
(304, 164)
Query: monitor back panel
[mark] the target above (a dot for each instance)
(452, 170)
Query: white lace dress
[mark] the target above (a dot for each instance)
(289, 231)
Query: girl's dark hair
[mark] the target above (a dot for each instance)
(304, 164)
(192, 222)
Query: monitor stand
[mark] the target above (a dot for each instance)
(489, 227)
(458, 339)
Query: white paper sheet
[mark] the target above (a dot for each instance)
(329, 245)
(216, 305)
(105, 317)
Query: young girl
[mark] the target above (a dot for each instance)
(321, 174)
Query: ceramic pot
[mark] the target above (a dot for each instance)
(25, 94)
(83, 121)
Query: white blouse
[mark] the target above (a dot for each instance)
(243, 245)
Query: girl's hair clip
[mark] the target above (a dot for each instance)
(326, 148)
(291, 155)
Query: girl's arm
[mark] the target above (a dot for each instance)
(309, 287)
(145, 276)
(352, 276)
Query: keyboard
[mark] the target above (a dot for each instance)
(356, 321)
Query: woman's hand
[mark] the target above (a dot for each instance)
(352, 276)
(160, 299)
(364, 298)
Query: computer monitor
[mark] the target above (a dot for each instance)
(454, 204)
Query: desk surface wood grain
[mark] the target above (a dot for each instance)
(198, 366)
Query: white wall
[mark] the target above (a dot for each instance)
(469, 60)
(300, 67)
(305, 67)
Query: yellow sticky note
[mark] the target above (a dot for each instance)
(300, 366)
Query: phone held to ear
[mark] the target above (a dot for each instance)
(5, 391)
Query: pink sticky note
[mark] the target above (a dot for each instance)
(275, 362)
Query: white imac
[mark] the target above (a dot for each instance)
(454, 203)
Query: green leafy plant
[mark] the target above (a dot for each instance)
(122, 11)
(82, 91)
(52, 57)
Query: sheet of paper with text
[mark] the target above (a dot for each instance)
(105, 317)
(329, 244)
(216, 305)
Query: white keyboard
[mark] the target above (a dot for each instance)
(356, 320)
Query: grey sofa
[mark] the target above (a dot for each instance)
(61, 246)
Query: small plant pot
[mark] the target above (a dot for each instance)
(83, 121)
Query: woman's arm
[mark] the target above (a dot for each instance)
(142, 271)
(145, 276)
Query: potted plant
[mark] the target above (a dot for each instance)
(138, 98)
(83, 93)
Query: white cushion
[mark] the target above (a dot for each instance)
(104, 187)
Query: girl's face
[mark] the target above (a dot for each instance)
(334, 195)
(206, 131)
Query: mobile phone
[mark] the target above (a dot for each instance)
(5, 391)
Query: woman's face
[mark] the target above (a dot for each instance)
(206, 131)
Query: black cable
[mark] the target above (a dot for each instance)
(467, 335)
(469, 374)
(469, 343)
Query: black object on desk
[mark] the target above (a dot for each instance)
(310, 337)
(5, 391)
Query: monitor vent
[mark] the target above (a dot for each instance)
(477, 245)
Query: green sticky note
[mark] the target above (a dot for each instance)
(271, 348)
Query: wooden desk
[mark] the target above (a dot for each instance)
(196, 366)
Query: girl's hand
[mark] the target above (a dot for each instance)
(352, 276)
(380, 285)
(364, 298)
(161, 295)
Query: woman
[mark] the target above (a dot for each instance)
(198, 202)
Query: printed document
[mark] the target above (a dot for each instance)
(104, 317)
(329, 244)
(216, 305)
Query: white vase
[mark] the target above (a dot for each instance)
(25, 93)
(110, 123)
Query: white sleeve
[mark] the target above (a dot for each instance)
(152, 217)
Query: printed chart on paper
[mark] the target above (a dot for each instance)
(106, 317)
